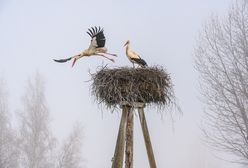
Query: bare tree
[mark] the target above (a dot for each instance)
(222, 60)
(8, 146)
(71, 154)
(37, 143)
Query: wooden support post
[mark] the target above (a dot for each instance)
(146, 137)
(120, 144)
(129, 139)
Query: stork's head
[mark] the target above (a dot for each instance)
(128, 42)
(75, 58)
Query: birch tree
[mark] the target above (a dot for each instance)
(70, 154)
(8, 143)
(221, 58)
(37, 142)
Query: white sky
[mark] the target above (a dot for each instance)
(32, 33)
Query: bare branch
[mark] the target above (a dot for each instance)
(71, 154)
(36, 141)
(9, 155)
(221, 58)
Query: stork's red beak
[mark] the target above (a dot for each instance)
(74, 61)
(125, 44)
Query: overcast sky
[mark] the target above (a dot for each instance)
(32, 33)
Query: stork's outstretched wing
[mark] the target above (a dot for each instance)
(62, 60)
(98, 38)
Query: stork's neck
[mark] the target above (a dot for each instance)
(127, 48)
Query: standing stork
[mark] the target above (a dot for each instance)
(134, 57)
(96, 48)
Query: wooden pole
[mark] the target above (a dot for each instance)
(129, 139)
(120, 144)
(146, 137)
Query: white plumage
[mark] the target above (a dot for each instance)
(96, 47)
(134, 57)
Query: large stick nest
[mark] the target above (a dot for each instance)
(151, 85)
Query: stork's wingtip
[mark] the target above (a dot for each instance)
(61, 60)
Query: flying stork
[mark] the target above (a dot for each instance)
(134, 57)
(96, 48)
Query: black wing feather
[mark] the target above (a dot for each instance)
(139, 61)
(99, 35)
(97, 32)
(90, 33)
(94, 31)
(62, 60)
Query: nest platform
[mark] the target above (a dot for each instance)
(151, 85)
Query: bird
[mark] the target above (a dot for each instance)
(96, 47)
(134, 57)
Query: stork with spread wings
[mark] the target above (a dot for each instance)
(96, 48)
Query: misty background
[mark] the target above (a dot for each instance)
(162, 32)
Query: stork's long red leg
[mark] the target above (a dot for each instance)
(115, 55)
(106, 57)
